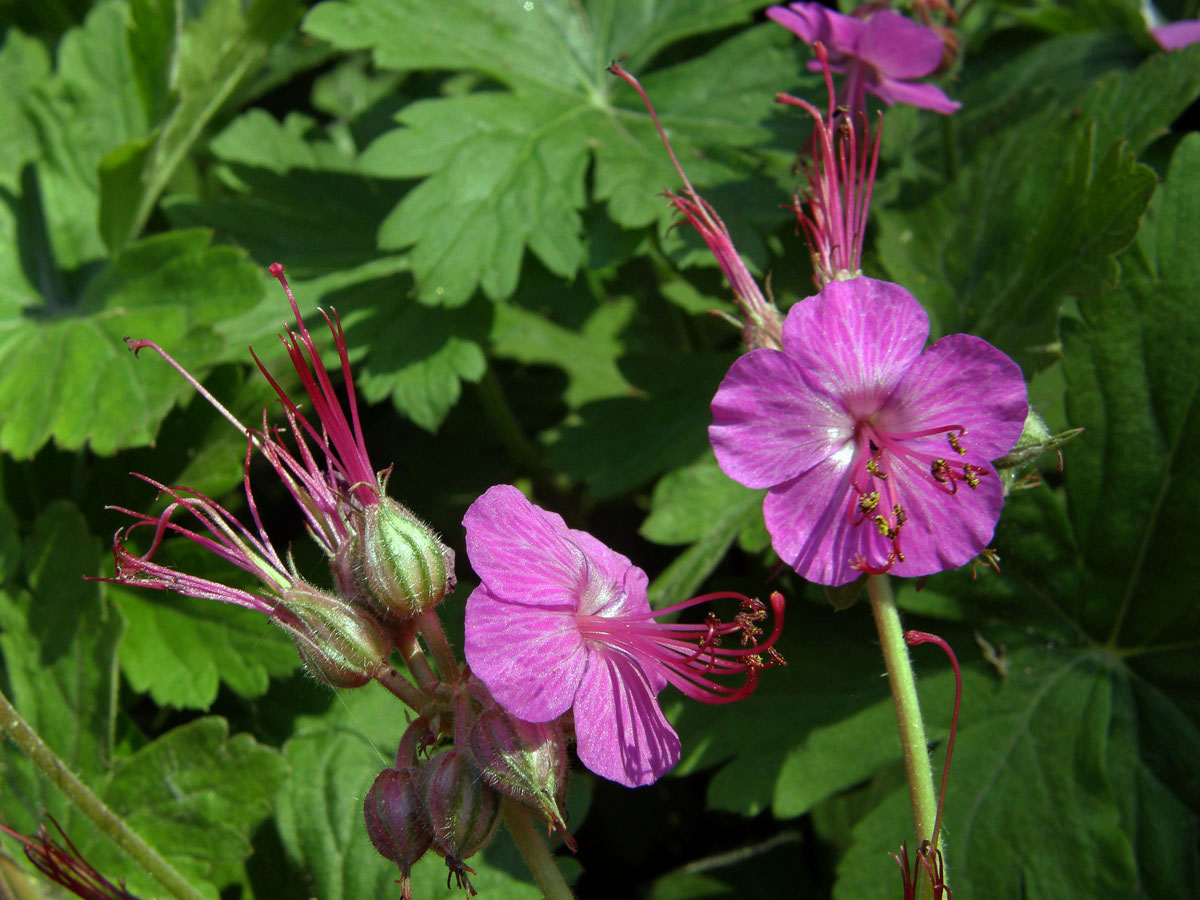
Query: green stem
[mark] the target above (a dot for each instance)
(414, 657)
(430, 627)
(537, 855)
(90, 805)
(908, 707)
(409, 694)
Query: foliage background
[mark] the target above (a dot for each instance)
(480, 202)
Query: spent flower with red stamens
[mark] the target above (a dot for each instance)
(841, 178)
(62, 863)
(880, 54)
(876, 452)
(762, 323)
(561, 622)
(377, 550)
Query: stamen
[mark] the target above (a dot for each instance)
(873, 468)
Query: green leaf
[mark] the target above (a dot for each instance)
(505, 170)
(621, 443)
(90, 107)
(213, 54)
(293, 196)
(59, 642)
(419, 355)
(1040, 207)
(23, 64)
(819, 726)
(588, 355)
(1133, 373)
(198, 794)
(179, 649)
(65, 372)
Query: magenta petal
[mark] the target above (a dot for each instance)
(809, 522)
(944, 531)
(623, 735)
(532, 659)
(925, 96)
(962, 380)
(898, 47)
(1177, 34)
(521, 552)
(856, 339)
(613, 586)
(769, 424)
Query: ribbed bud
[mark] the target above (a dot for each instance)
(339, 643)
(407, 568)
(524, 761)
(1036, 439)
(394, 822)
(460, 809)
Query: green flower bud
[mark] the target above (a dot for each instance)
(407, 568)
(1036, 439)
(524, 761)
(341, 644)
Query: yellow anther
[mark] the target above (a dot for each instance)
(873, 468)
(882, 525)
(900, 516)
(869, 502)
(940, 470)
(969, 475)
(958, 448)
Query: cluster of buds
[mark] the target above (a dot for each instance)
(388, 567)
(453, 771)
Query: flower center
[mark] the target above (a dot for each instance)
(878, 463)
(688, 655)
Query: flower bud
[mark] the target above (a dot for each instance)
(460, 810)
(394, 822)
(1036, 439)
(339, 643)
(407, 568)
(524, 761)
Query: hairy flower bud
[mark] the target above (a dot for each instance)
(524, 761)
(339, 643)
(460, 810)
(1036, 439)
(394, 822)
(407, 568)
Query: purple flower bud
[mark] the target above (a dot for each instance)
(460, 810)
(394, 822)
(339, 643)
(524, 761)
(407, 568)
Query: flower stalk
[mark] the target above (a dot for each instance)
(534, 851)
(81, 796)
(908, 706)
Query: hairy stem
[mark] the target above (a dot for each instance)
(28, 742)
(430, 627)
(535, 853)
(908, 707)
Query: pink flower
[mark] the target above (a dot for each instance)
(561, 622)
(1176, 35)
(879, 54)
(877, 452)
